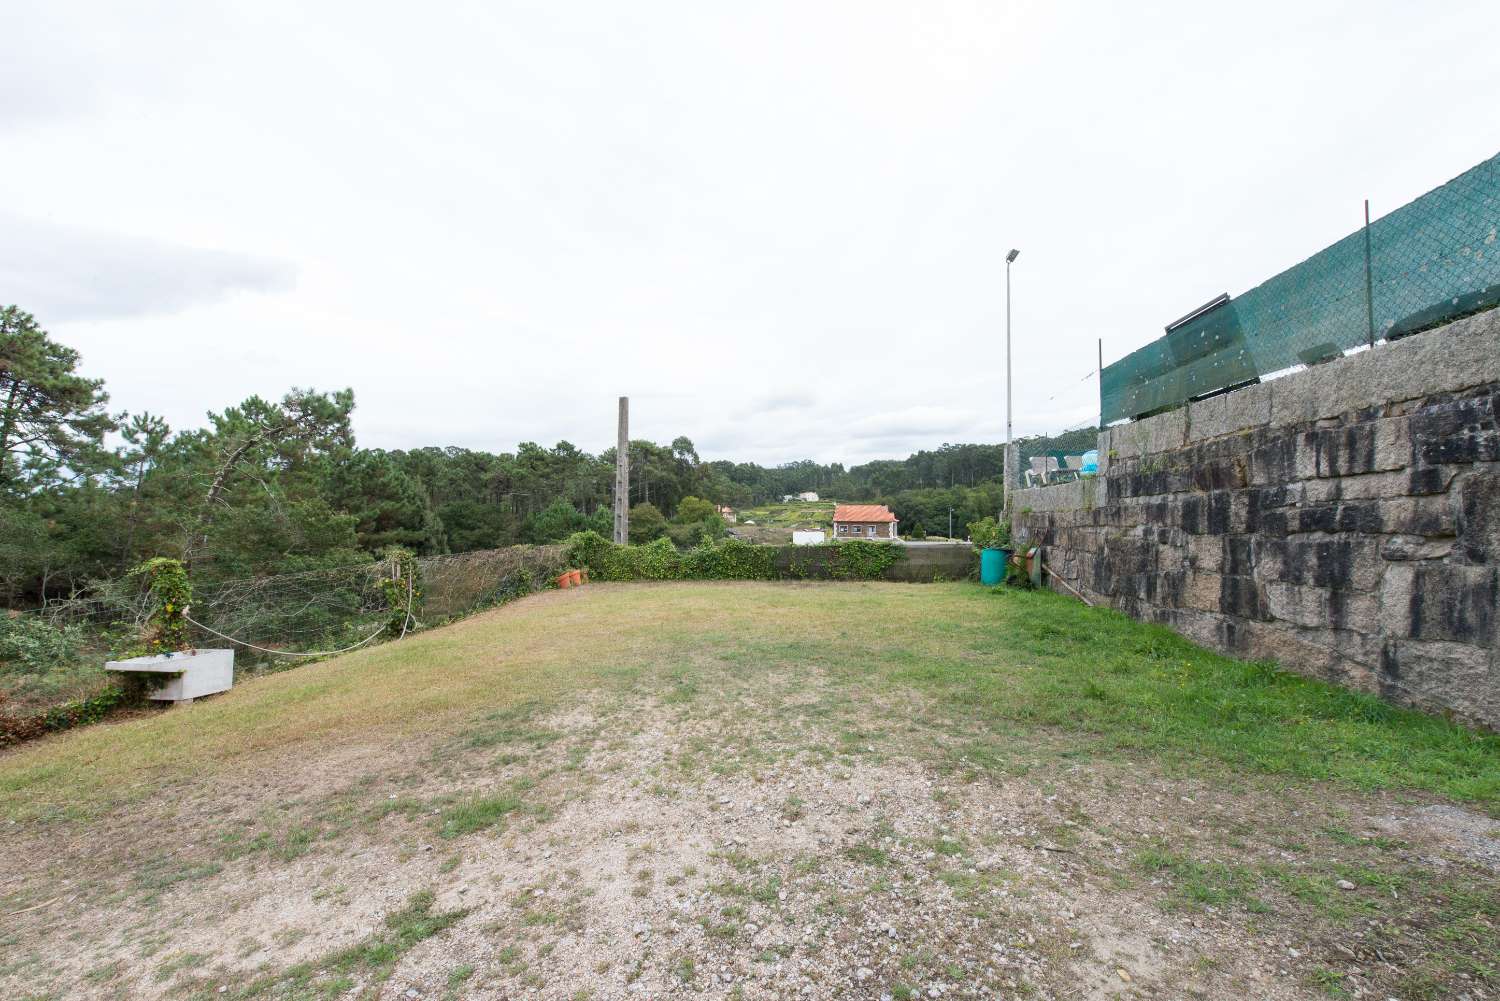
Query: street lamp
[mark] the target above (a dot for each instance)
(1009, 473)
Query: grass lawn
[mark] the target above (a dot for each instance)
(750, 757)
(1090, 680)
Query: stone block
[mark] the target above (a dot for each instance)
(1072, 496)
(1353, 516)
(1266, 508)
(1454, 603)
(1478, 517)
(1415, 547)
(1239, 555)
(1270, 557)
(1288, 646)
(1322, 607)
(1205, 553)
(1243, 598)
(1229, 413)
(1202, 591)
(1345, 561)
(1464, 354)
(1171, 559)
(1349, 450)
(1273, 461)
(1430, 479)
(1204, 627)
(1368, 486)
(1452, 677)
(1206, 514)
(1154, 435)
(1395, 599)
(1456, 431)
(1426, 516)
(1211, 472)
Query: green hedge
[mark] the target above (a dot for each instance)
(731, 560)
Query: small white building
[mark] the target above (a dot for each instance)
(808, 537)
(808, 495)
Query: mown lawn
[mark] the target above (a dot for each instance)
(1034, 674)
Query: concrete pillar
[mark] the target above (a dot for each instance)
(622, 475)
(1011, 478)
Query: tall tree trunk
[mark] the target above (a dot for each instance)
(8, 428)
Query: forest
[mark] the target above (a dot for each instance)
(278, 486)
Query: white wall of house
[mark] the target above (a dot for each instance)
(851, 530)
(807, 538)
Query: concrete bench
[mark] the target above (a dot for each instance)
(187, 674)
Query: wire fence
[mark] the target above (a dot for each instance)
(1432, 260)
(320, 611)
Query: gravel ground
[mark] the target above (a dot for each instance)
(749, 844)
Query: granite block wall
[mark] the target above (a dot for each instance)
(1343, 520)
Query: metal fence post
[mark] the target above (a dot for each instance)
(1369, 281)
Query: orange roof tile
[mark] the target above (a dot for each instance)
(862, 512)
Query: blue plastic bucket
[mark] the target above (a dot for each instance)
(992, 565)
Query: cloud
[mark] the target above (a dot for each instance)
(784, 402)
(780, 230)
(64, 273)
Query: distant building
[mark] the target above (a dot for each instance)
(727, 513)
(808, 537)
(863, 521)
(808, 495)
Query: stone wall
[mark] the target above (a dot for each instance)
(1343, 521)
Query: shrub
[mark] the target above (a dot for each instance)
(657, 560)
(646, 523)
(731, 560)
(986, 533)
(31, 645)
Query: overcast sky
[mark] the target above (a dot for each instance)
(780, 227)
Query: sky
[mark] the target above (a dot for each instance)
(779, 227)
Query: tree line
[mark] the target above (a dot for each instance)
(277, 486)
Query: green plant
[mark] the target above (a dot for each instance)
(731, 559)
(171, 592)
(863, 560)
(986, 533)
(402, 588)
(31, 645)
(1016, 575)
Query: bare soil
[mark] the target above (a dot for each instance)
(772, 839)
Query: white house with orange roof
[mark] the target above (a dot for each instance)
(863, 521)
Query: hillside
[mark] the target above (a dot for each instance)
(774, 523)
(755, 790)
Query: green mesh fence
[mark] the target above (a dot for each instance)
(1431, 260)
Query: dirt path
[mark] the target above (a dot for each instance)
(773, 839)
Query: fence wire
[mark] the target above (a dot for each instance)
(318, 610)
(1432, 260)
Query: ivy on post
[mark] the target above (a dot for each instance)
(402, 588)
(171, 592)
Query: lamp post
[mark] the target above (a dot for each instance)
(1009, 473)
